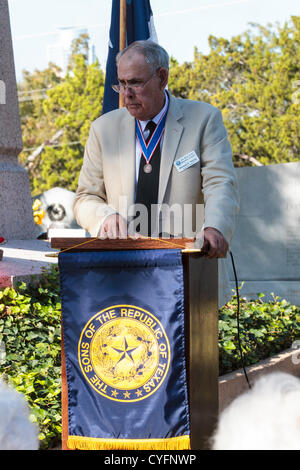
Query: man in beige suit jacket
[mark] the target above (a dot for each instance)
(195, 130)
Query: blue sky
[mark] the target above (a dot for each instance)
(180, 25)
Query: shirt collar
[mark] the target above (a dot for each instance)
(158, 116)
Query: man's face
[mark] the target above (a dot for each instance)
(147, 101)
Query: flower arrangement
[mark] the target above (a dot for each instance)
(38, 213)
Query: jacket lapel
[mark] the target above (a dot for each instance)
(127, 155)
(172, 135)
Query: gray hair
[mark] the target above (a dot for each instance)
(263, 418)
(155, 55)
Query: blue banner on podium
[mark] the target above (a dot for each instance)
(123, 332)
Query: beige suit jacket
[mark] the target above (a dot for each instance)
(107, 179)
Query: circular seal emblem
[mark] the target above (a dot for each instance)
(124, 353)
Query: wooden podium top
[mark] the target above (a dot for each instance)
(94, 244)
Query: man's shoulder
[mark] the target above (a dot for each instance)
(196, 106)
(108, 118)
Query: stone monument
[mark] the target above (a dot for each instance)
(266, 243)
(16, 217)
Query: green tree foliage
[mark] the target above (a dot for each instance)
(254, 79)
(70, 106)
(36, 126)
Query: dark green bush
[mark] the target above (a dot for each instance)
(30, 331)
(266, 328)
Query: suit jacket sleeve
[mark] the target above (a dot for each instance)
(219, 182)
(90, 205)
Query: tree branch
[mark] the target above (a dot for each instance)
(250, 159)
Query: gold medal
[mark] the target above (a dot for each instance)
(148, 168)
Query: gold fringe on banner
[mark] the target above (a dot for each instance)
(92, 443)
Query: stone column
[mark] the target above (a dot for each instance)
(16, 218)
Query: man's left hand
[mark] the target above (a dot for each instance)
(215, 244)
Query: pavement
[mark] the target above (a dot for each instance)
(22, 259)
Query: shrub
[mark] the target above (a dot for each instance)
(30, 331)
(266, 328)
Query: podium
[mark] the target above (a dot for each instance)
(201, 326)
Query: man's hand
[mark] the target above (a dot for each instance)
(215, 245)
(114, 226)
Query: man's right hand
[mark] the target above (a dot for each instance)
(114, 226)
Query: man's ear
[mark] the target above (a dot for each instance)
(163, 74)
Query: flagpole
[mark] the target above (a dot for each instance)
(122, 44)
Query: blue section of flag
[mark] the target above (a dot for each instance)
(123, 324)
(138, 13)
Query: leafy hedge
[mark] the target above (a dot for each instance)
(266, 328)
(30, 331)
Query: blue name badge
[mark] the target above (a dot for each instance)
(186, 161)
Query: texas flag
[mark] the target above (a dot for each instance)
(139, 25)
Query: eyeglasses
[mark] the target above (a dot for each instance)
(135, 87)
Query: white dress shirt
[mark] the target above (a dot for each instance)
(138, 152)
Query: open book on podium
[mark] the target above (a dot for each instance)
(123, 341)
